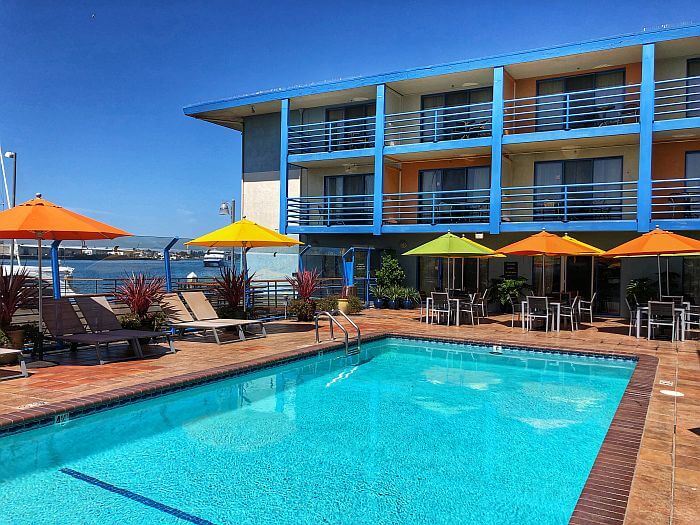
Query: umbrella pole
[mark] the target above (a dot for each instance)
(658, 266)
(244, 264)
(40, 342)
(668, 288)
(543, 288)
(592, 274)
(477, 274)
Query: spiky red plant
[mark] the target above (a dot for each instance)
(305, 283)
(16, 291)
(139, 292)
(230, 287)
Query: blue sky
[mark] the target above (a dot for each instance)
(92, 92)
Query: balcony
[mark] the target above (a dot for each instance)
(676, 203)
(676, 99)
(345, 212)
(438, 124)
(576, 110)
(570, 206)
(332, 136)
(468, 208)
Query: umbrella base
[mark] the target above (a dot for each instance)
(41, 364)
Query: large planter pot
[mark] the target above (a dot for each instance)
(407, 304)
(391, 304)
(16, 337)
(343, 306)
(379, 303)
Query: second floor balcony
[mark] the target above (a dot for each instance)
(464, 206)
(608, 106)
(675, 199)
(677, 98)
(329, 136)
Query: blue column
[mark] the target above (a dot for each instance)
(166, 261)
(496, 153)
(378, 162)
(646, 122)
(55, 273)
(284, 145)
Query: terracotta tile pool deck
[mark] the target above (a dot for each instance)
(665, 483)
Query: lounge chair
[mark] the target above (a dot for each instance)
(203, 311)
(100, 318)
(180, 319)
(64, 325)
(11, 374)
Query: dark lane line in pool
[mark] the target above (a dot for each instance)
(137, 497)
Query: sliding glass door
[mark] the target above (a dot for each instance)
(454, 195)
(347, 199)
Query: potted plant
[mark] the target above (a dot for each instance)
(139, 292)
(305, 285)
(390, 272)
(15, 292)
(379, 294)
(393, 294)
(411, 297)
(230, 288)
(327, 304)
(507, 288)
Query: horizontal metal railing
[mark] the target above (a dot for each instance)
(576, 109)
(330, 210)
(677, 98)
(319, 137)
(675, 199)
(598, 201)
(437, 207)
(438, 124)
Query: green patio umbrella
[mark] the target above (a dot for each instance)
(450, 246)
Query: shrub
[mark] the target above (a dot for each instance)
(355, 304)
(230, 287)
(16, 291)
(150, 321)
(227, 311)
(305, 283)
(379, 292)
(327, 304)
(644, 290)
(139, 292)
(507, 288)
(303, 309)
(390, 273)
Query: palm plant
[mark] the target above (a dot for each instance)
(140, 292)
(15, 292)
(305, 283)
(231, 286)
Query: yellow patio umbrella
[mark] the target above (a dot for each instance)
(594, 252)
(243, 234)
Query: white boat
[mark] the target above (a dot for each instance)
(65, 274)
(214, 258)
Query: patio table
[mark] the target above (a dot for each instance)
(552, 305)
(428, 302)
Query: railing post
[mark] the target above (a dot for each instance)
(435, 126)
(432, 209)
(284, 168)
(327, 205)
(566, 204)
(646, 124)
(567, 108)
(55, 270)
(496, 154)
(378, 161)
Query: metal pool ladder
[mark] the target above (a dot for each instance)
(333, 321)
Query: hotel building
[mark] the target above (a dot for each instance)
(599, 139)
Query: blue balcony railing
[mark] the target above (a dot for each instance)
(438, 124)
(330, 210)
(437, 207)
(600, 201)
(337, 135)
(677, 98)
(577, 109)
(675, 199)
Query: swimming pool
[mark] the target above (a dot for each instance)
(419, 432)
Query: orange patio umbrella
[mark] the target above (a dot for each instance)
(657, 242)
(545, 244)
(42, 220)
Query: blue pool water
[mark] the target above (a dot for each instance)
(421, 432)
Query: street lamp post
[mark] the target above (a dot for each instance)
(230, 210)
(13, 155)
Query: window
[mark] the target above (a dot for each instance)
(457, 115)
(454, 195)
(692, 169)
(347, 199)
(581, 189)
(349, 128)
(563, 107)
(693, 88)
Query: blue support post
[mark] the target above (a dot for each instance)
(378, 161)
(496, 153)
(646, 124)
(284, 167)
(55, 273)
(349, 268)
(301, 257)
(368, 263)
(166, 261)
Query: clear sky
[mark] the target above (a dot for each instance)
(91, 92)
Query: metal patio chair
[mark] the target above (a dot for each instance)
(570, 313)
(537, 308)
(661, 314)
(440, 306)
(586, 307)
